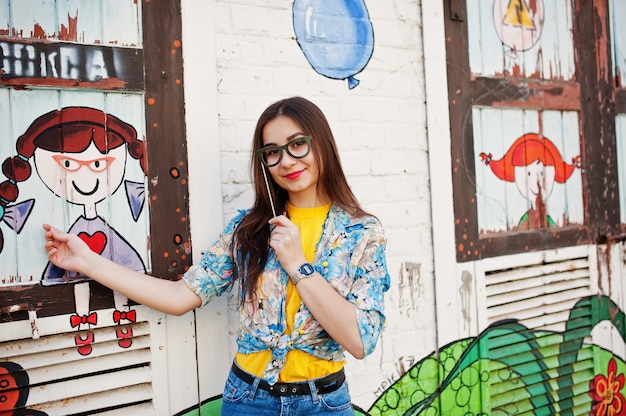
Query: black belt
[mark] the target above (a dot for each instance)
(323, 385)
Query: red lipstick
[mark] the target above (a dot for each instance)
(294, 175)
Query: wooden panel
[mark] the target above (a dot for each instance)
(570, 82)
(525, 93)
(459, 93)
(116, 372)
(617, 10)
(620, 138)
(121, 21)
(32, 22)
(620, 101)
(25, 261)
(506, 199)
(121, 24)
(165, 120)
(64, 65)
(598, 119)
(92, 22)
(521, 39)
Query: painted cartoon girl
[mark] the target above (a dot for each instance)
(80, 155)
(14, 391)
(534, 163)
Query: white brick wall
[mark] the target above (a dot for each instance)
(380, 128)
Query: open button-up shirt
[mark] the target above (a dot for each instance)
(350, 256)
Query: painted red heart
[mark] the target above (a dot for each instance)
(96, 241)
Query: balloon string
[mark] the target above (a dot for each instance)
(267, 185)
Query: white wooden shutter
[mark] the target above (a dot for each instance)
(109, 381)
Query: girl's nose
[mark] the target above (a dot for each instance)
(287, 160)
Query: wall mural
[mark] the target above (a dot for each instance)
(336, 36)
(80, 155)
(69, 65)
(518, 23)
(525, 370)
(534, 164)
(14, 391)
(532, 375)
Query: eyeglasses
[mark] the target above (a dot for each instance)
(296, 148)
(72, 165)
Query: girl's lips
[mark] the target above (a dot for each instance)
(294, 175)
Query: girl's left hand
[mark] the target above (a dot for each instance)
(286, 242)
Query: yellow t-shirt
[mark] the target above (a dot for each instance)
(299, 365)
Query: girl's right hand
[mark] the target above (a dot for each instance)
(66, 251)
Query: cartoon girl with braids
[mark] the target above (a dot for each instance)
(534, 163)
(80, 155)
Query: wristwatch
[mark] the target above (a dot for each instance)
(304, 271)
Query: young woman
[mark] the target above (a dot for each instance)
(309, 262)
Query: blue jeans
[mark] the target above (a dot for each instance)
(243, 399)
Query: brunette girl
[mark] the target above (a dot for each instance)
(309, 263)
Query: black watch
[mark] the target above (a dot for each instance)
(304, 271)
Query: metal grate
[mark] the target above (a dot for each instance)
(57, 380)
(538, 293)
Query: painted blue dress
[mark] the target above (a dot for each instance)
(102, 239)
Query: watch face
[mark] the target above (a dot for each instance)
(306, 269)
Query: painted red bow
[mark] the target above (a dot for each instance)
(76, 320)
(131, 316)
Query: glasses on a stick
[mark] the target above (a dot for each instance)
(297, 148)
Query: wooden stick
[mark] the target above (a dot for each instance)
(267, 185)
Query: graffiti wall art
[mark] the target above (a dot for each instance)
(336, 36)
(518, 23)
(81, 155)
(534, 164)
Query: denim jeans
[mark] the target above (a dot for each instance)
(243, 399)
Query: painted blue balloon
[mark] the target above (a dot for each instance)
(336, 36)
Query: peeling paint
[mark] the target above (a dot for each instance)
(409, 278)
(465, 292)
(70, 32)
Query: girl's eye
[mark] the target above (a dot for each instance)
(70, 164)
(272, 151)
(99, 165)
(297, 143)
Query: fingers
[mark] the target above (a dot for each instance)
(53, 233)
(280, 220)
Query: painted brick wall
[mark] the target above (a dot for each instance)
(380, 129)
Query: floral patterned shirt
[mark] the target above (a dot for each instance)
(350, 256)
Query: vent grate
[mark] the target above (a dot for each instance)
(58, 380)
(538, 293)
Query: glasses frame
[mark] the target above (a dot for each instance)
(107, 160)
(284, 147)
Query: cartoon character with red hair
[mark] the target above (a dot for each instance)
(534, 163)
(80, 155)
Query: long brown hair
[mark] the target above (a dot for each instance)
(250, 241)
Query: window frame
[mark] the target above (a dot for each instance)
(165, 139)
(592, 93)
